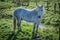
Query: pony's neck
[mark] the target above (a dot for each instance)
(36, 10)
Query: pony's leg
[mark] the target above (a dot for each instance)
(37, 28)
(14, 24)
(19, 25)
(33, 31)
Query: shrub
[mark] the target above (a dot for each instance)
(4, 5)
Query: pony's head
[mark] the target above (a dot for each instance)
(39, 11)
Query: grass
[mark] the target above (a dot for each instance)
(6, 26)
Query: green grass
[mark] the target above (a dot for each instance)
(6, 26)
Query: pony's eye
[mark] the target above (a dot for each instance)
(39, 16)
(41, 10)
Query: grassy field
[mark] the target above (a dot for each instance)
(6, 24)
(6, 27)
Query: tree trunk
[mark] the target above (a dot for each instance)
(55, 8)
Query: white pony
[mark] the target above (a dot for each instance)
(33, 16)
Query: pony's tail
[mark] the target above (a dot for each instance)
(14, 24)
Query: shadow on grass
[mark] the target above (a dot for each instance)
(12, 36)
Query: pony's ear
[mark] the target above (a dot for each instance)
(40, 6)
(37, 5)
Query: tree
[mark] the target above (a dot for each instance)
(2, 0)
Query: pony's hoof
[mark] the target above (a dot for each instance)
(33, 37)
(19, 30)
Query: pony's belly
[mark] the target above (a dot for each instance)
(29, 19)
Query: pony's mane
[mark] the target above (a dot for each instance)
(27, 9)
